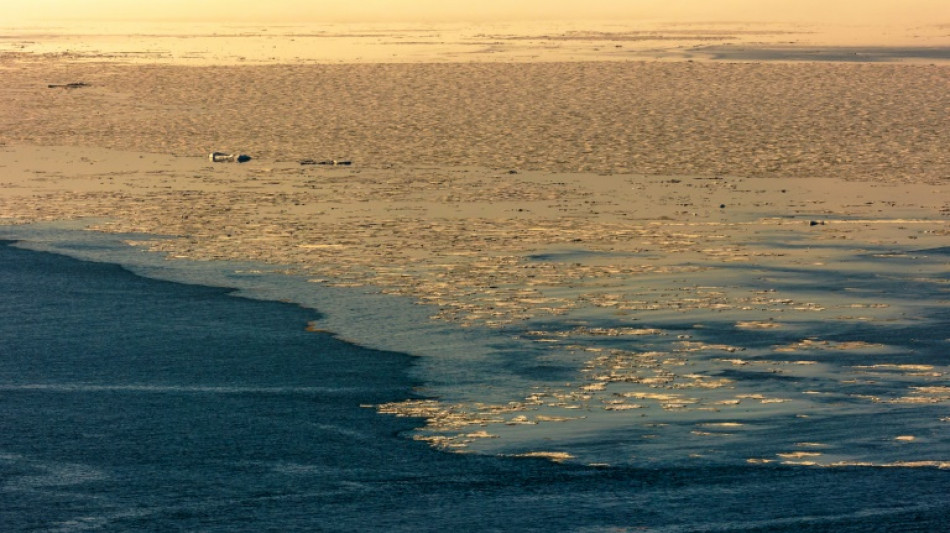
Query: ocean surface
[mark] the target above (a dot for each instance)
(129, 403)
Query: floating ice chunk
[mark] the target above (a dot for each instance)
(557, 457)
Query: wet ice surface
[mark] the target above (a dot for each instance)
(840, 359)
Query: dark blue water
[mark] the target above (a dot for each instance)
(130, 404)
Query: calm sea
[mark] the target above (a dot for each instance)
(133, 404)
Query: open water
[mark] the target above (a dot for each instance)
(134, 404)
